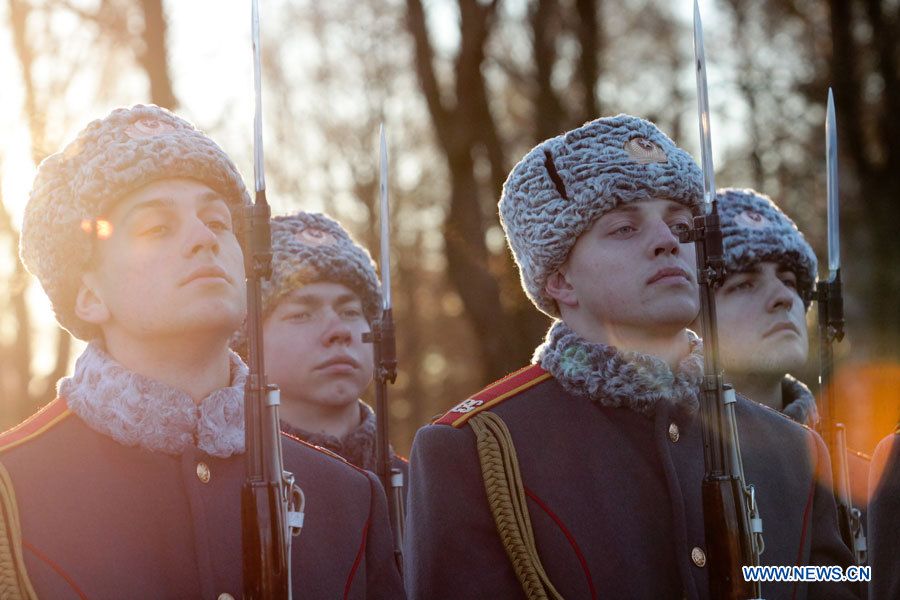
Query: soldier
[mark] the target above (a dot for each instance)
(322, 297)
(579, 476)
(762, 308)
(883, 527)
(128, 484)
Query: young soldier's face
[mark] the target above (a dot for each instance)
(167, 263)
(630, 271)
(762, 321)
(313, 346)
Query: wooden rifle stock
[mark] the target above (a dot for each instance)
(724, 516)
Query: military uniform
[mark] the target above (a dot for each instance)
(358, 446)
(883, 526)
(102, 519)
(611, 466)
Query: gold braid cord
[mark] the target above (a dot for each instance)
(14, 582)
(506, 497)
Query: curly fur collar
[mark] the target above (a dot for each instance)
(799, 403)
(617, 379)
(137, 411)
(358, 446)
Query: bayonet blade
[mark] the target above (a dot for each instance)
(831, 161)
(706, 161)
(385, 224)
(259, 174)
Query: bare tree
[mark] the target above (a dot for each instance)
(26, 389)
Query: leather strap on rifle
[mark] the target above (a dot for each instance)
(14, 582)
(506, 497)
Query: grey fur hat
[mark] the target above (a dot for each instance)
(108, 159)
(312, 247)
(564, 184)
(755, 230)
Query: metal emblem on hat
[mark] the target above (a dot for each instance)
(644, 151)
(314, 237)
(144, 128)
(752, 219)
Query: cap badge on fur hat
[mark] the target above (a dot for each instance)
(314, 237)
(144, 128)
(752, 219)
(644, 151)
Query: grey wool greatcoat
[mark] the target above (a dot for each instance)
(611, 460)
(103, 519)
(884, 520)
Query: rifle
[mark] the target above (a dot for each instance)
(830, 300)
(271, 503)
(731, 517)
(383, 340)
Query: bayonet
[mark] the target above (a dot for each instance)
(385, 217)
(831, 162)
(706, 160)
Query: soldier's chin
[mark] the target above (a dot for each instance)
(676, 311)
(779, 360)
(226, 317)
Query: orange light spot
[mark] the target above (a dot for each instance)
(104, 229)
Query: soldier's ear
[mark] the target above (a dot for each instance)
(559, 288)
(89, 304)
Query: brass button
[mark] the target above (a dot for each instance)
(674, 434)
(698, 556)
(225, 596)
(203, 473)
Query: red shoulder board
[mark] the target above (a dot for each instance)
(34, 425)
(494, 394)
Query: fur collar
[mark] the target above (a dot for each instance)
(617, 379)
(137, 411)
(799, 403)
(358, 446)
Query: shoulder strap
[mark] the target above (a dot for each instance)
(506, 498)
(14, 582)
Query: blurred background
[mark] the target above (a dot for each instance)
(465, 88)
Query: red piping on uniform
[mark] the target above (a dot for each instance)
(56, 568)
(812, 491)
(569, 536)
(359, 555)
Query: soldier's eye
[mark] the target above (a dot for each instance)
(680, 228)
(298, 316)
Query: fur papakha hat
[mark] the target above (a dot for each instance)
(564, 184)
(755, 230)
(111, 157)
(310, 248)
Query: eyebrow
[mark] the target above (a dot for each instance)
(312, 300)
(167, 203)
